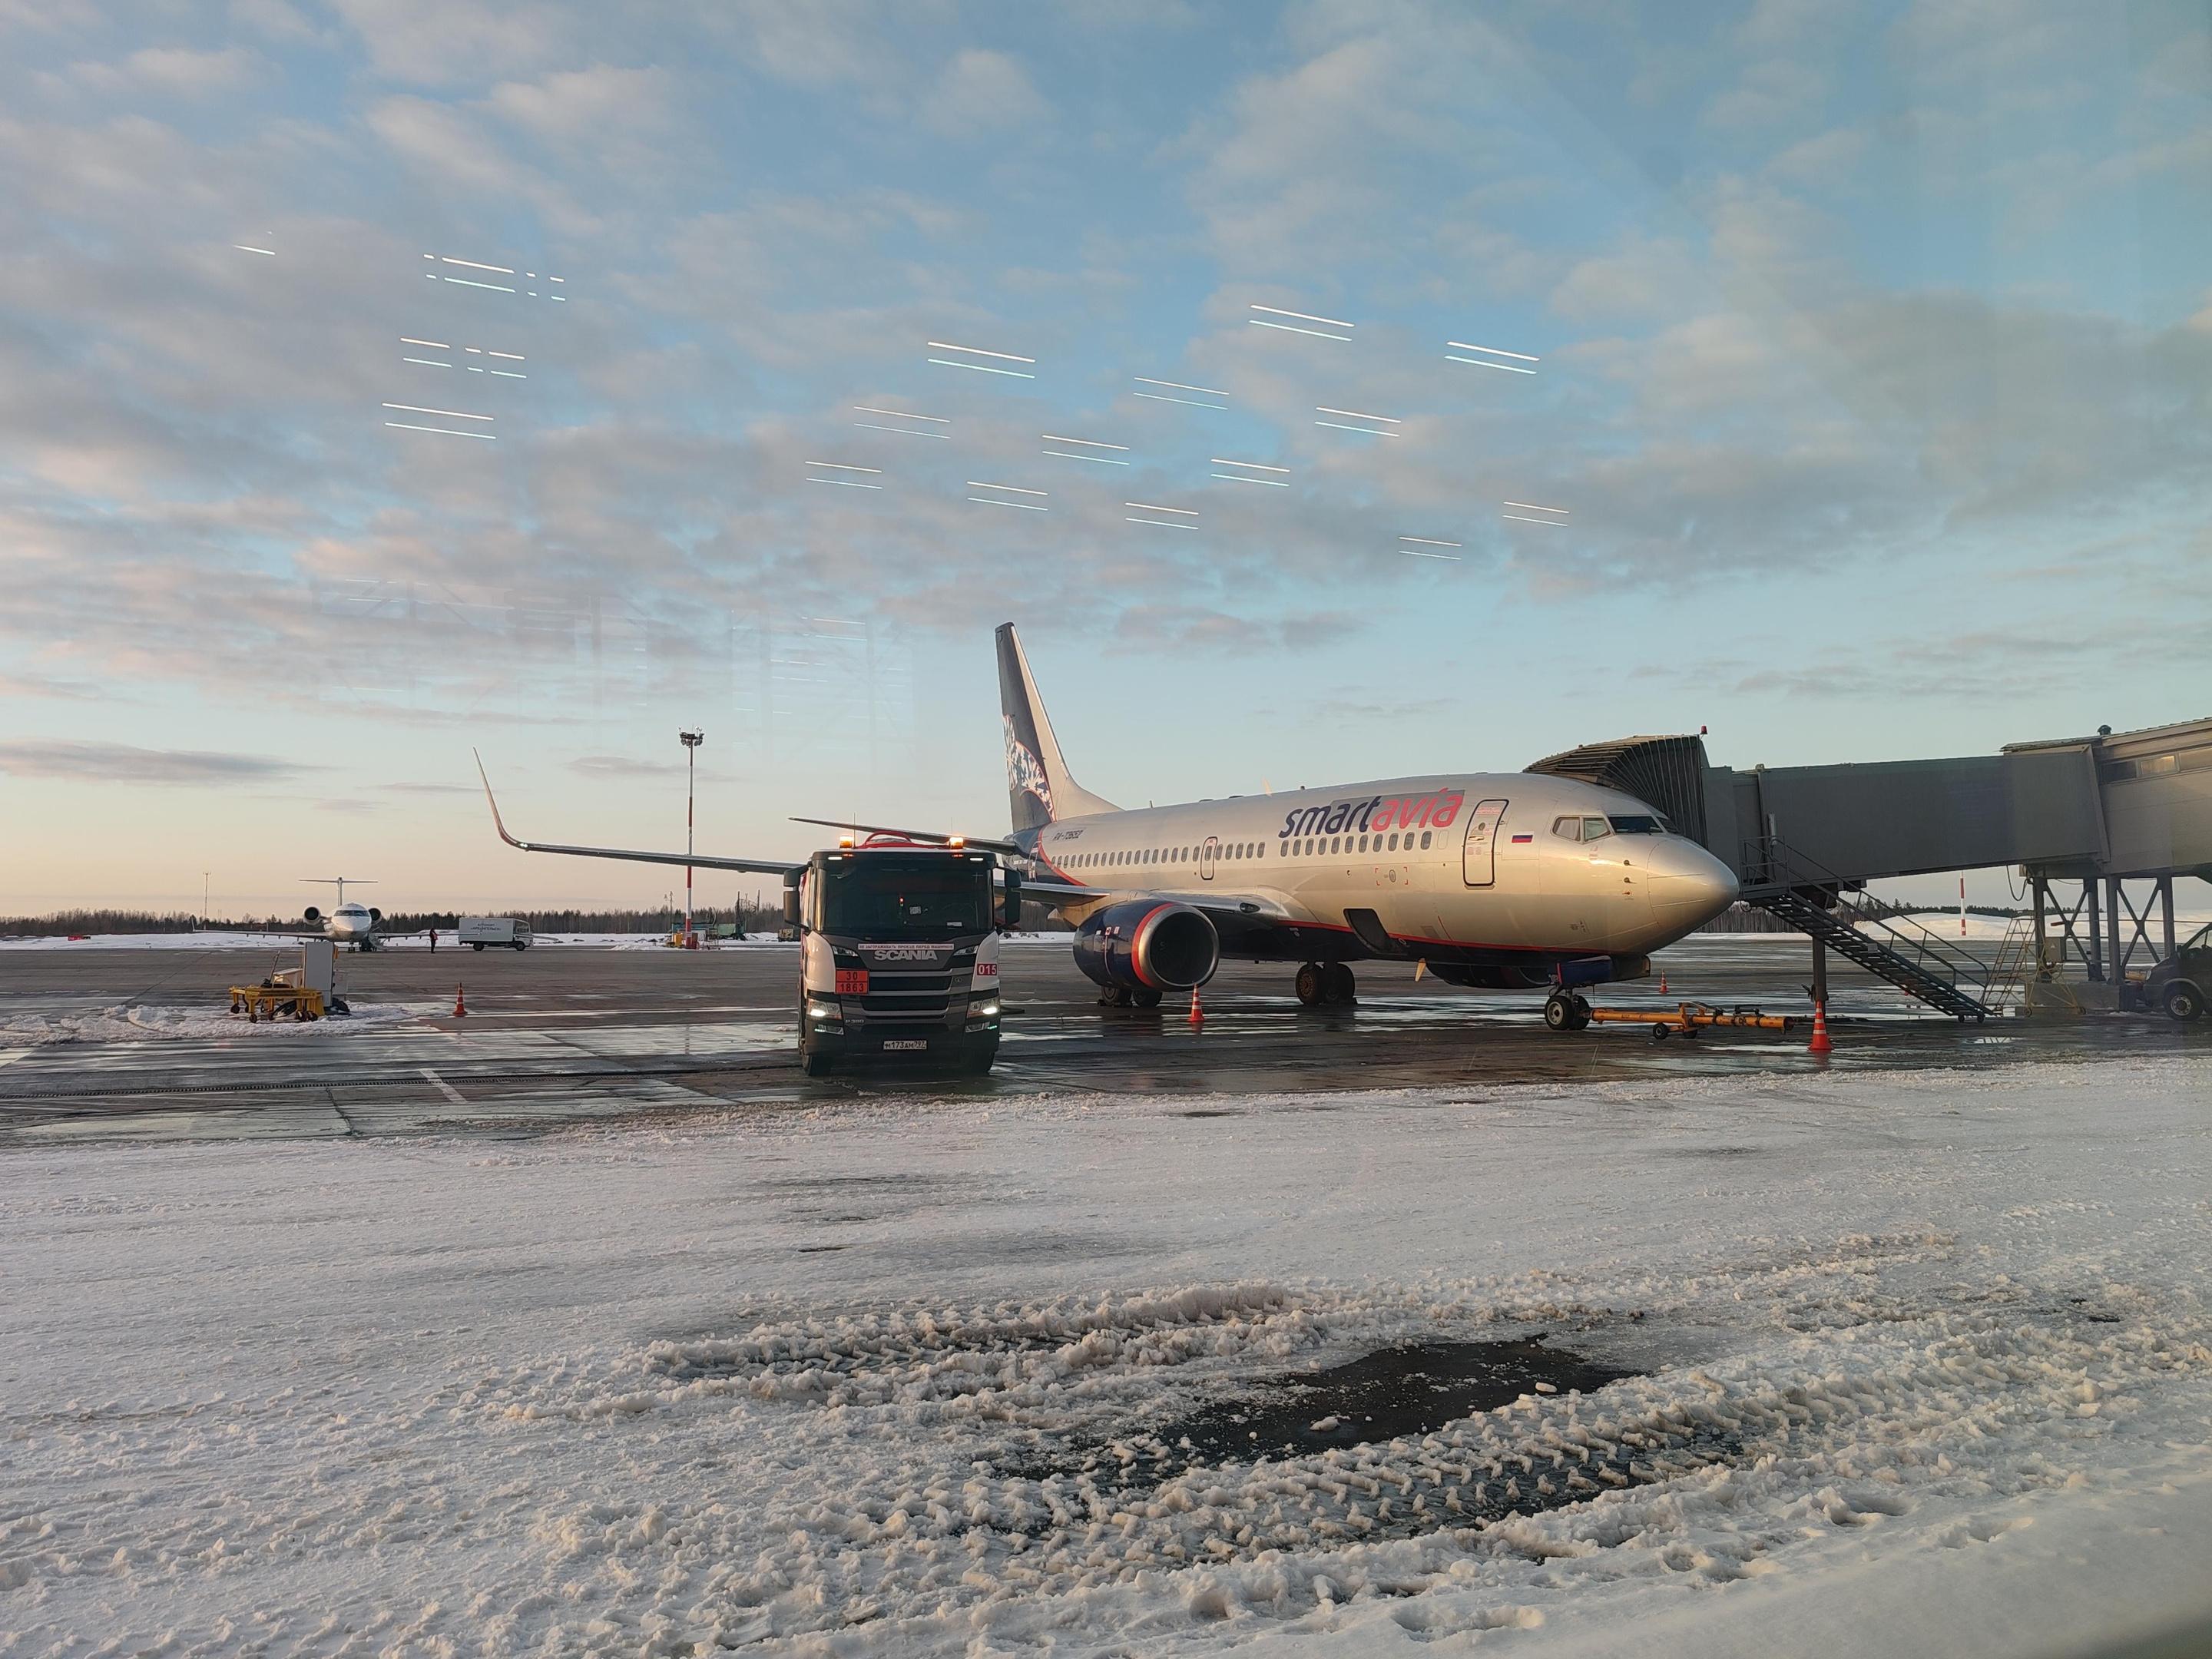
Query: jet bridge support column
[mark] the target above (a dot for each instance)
(2132, 924)
(2118, 973)
(2068, 926)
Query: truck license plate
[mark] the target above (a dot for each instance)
(906, 1045)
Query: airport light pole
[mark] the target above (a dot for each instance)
(691, 741)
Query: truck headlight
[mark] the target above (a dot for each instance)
(820, 1011)
(984, 1010)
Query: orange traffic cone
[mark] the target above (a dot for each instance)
(1197, 1014)
(1820, 1044)
(461, 1007)
(1663, 982)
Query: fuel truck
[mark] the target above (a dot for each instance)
(899, 952)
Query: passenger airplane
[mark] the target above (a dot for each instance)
(1511, 881)
(348, 924)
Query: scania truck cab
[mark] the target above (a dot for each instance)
(899, 953)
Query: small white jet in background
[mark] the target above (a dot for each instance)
(352, 924)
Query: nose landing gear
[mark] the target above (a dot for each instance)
(1565, 1011)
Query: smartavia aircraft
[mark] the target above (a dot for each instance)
(1507, 881)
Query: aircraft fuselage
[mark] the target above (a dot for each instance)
(351, 924)
(1471, 867)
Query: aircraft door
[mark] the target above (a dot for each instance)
(1481, 858)
(1208, 852)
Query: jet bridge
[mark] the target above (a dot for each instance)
(2093, 814)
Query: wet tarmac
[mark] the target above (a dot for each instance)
(565, 1034)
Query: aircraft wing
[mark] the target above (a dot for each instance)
(696, 861)
(1234, 915)
(935, 837)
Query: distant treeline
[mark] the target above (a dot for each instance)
(752, 918)
(1741, 917)
(63, 923)
(1746, 918)
(756, 916)
(2007, 911)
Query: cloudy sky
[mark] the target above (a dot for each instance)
(1867, 411)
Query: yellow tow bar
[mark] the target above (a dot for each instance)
(1688, 1019)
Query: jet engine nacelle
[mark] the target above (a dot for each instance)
(312, 914)
(1154, 943)
(375, 914)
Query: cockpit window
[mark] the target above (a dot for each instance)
(1595, 829)
(1637, 824)
(1567, 828)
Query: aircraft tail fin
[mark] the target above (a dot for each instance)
(1038, 782)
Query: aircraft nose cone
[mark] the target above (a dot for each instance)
(1690, 886)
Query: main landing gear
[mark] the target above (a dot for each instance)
(1127, 996)
(1327, 984)
(1565, 1011)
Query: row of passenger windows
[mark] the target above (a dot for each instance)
(1312, 847)
(1568, 828)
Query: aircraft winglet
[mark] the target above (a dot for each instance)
(498, 822)
(697, 860)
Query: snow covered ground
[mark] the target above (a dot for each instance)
(1921, 1357)
(145, 1023)
(244, 941)
(409, 941)
(153, 942)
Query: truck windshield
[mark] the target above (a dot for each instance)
(899, 895)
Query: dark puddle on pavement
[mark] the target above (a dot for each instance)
(1398, 1391)
(1394, 1393)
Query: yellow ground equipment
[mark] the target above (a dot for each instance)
(1688, 1019)
(281, 993)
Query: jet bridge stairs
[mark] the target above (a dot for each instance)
(1937, 971)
